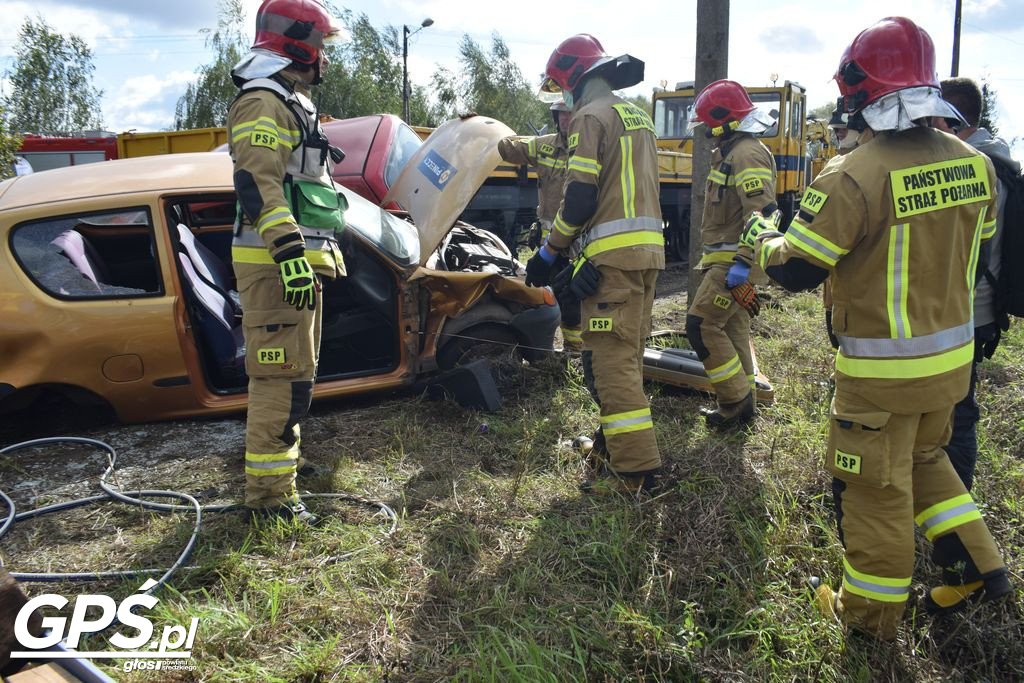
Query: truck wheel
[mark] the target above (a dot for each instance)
(677, 238)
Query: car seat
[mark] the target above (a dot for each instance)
(84, 256)
(219, 320)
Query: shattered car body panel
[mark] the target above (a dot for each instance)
(116, 283)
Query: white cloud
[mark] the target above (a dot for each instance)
(145, 102)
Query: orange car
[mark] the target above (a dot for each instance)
(116, 284)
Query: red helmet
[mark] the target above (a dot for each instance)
(295, 29)
(720, 104)
(892, 55)
(570, 60)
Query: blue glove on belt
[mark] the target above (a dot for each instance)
(738, 274)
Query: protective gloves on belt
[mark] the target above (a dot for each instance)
(299, 283)
(759, 228)
(738, 274)
(585, 281)
(539, 267)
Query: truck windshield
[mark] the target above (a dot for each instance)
(405, 145)
(671, 114)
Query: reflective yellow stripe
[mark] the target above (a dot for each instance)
(881, 588)
(261, 256)
(551, 163)
(947, 515)
(988, 230)
(631, 421)
(972, 262)
(564, 228)
(905, 368)
(264, 123)
(273, 216)
(271, 464)
(753, 380)
(754, 172)
(897, 281)
(572, 334)
(806, 240)
(717, 257)
(584, 165)
(717, 177)
(627, 178)
(531, 147)
(630, 239)
(725, 371)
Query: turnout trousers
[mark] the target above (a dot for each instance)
(616, 321)
(282, 350)
(718, 330)
(890, 472)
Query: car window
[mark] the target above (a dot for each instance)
(89, 256)
(405, 145)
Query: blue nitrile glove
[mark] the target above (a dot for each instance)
(738, 274)
(538, 268)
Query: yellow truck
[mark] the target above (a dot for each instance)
(787, 104)
(132, 144)
(506, 203)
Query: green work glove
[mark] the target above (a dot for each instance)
(759, 228)
(299, 283)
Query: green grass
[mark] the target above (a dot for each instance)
(501, 571)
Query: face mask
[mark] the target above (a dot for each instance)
(568, 98)
(851, 139)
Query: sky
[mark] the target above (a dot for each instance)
(147, 51)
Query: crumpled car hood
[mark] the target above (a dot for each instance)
(445, 173)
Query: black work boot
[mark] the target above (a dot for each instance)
(730, 415)
(949, 598)
(288, 512)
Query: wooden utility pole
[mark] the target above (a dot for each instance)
(955, 71)
(712, 64)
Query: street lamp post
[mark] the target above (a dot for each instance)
(405, 64)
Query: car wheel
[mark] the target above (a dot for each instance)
(490, 341)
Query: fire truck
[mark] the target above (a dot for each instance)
(44, 152)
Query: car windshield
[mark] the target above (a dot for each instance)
(398, 239)
(671, 114)
(405, 145)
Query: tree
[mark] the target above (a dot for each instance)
(823, 112)
(9, 144)
(51, 83)
(491, 84)
(366, 75)
(205, 102)
(989, 108)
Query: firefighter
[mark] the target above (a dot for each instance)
(548, 154)
(286, 241)
(965, 95)
(610, 203)
(898, 223)
(741, 181)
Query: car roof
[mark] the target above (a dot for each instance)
(162, 173)
(354, 137)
